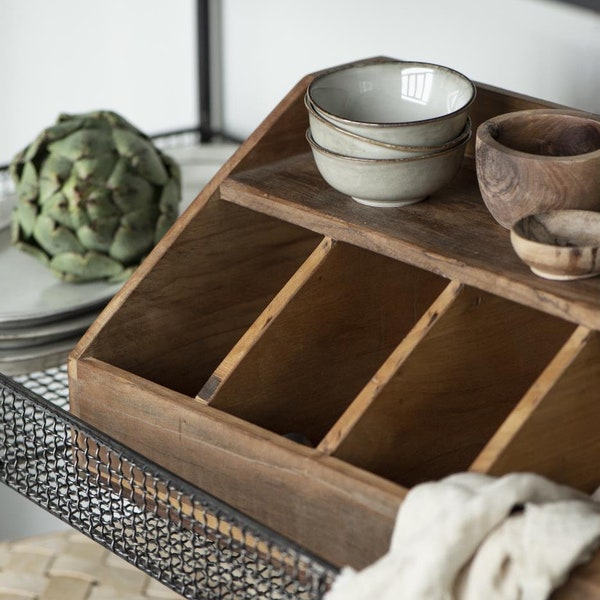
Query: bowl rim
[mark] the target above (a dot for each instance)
(517, 229)
(466, 131)
(483, 134)
(393, 64)
(318, 148)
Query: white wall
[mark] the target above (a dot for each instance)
(137, 57)
(542, 48)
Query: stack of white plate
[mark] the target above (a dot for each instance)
(41, 317)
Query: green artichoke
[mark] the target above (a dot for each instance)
(94, 196)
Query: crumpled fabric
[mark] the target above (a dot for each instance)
(472, 537)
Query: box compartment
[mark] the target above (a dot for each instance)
(214, 281)
(553, 430)
(320, 340)
(448, 386)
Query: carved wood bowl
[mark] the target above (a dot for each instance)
(560, 244)
(538, 160)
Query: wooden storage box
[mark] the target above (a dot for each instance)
(404, 344)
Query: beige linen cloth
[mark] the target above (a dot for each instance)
(474, 537)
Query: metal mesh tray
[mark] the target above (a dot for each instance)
(190, 541)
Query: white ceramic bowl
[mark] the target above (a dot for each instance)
(559, 244)
(405, 103)
(387, 182)
(329, 136)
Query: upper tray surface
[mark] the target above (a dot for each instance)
(451, 233)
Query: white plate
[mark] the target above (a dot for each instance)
(36, 358)
(21, 337)
(32, 295)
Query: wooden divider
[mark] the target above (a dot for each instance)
(255, 331)
(352, 415)
(445, 396)
(553, 430)
(335, 324)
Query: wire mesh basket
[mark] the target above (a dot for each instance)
(188, 540)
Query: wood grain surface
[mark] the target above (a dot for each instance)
(451, 233)
(322, 348)
(533, 161)
(336, 511)
(478, 355)
(554, 428)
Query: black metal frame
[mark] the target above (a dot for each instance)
(204, 71)
(591, 4)
(206, 77)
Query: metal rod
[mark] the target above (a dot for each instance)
(204, 74)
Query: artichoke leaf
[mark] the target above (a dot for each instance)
(142, 155)
(16, 165)
(34, 251)
(31, 152)
(173, 167)
(75, 268)
(170, 196)
(163, 224)
(124, 274)
(82, 143)
(55, 170)
(23, 218)
(120, 169)
(98, 206)
(98, 235)
(74, 191)
(97, 168)
(117, 121)
(133, 193)
(54, 238)
(57, 208)
(142, 218)
(65, 125)
(130, 244)
(28, 184)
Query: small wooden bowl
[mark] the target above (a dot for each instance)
(560, 244)
(534, 161)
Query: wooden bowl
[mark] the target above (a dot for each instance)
(534, 161)
(560, 244)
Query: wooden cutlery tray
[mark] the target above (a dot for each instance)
(308, 359)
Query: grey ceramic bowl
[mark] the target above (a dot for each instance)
(403, 103)
(333, 138)
(388, 182)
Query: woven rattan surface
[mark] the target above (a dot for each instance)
(70, 566)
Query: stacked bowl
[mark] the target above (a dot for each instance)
(390, 133)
